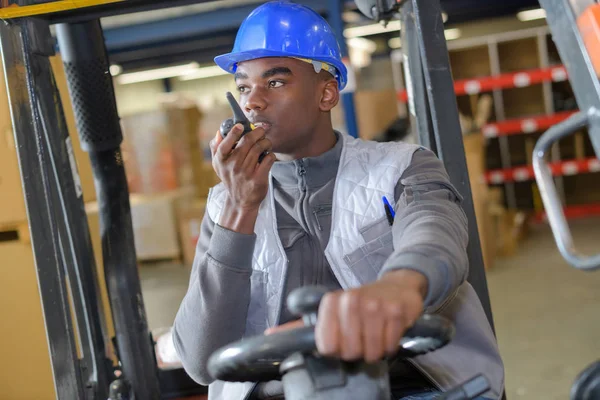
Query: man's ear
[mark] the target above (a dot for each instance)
(330, 95)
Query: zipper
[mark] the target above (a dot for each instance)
(302, 184)
(280, 305)
(302, 174)
(283, 288)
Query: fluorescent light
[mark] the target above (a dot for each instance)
(372, 29)
(452, 33)
(444, 17)
(362, 44)
(530, 15)
(156, 74)
(202, 73)
(115, 69)
(395, 43)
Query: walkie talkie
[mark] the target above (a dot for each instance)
(238, 118)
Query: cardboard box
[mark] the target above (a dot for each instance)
(26, 372)
(162, 150)
(12, 204)
(375, 111)
(154, 228)
(474, 153)
(209, 179)
(190, 221)
(154, 219)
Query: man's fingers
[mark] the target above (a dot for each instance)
(213, 144)
(262, 171)
(218, 138)
(373, 323)
(327, 331)
(393, 332)
(350, 326)
(226, 145)
(395, 326)
(285, 327)
(249, 140)
(251, 161)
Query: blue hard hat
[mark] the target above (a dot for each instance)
(284, 29)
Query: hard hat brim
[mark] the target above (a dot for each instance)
(228, 62)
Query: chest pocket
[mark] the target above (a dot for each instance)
(368, 259)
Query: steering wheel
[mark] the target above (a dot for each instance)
(258, 359)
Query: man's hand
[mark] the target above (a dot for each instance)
(368, 322)
(235, 160)
(285, 327)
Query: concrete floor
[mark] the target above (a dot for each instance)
(546, 313)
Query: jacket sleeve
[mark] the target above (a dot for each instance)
(430, 231)
(213, 311)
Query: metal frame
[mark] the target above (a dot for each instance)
(438, 124)
(562, 20)
(420, 117)
(57, 218)
(59, 228)
(334, 17)
(492, 41)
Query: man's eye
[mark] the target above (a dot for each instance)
(275, 84)
(241, 89)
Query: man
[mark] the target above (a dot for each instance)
(312, 213)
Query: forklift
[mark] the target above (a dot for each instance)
(65, 265)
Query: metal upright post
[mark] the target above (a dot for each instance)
(562, 20)
(420, 117)
(505, 158)
(334, 17)
(542, 42)
(446, 128)
(56, 213)
(90, 86)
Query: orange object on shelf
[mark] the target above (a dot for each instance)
(589, 27)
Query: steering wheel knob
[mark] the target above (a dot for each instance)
(304, 302)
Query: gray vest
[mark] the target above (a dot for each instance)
(367, 171)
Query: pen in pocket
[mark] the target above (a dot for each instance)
(389, 211)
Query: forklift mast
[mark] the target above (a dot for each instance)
(61, 241)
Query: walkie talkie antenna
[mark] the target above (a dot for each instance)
(238, 115)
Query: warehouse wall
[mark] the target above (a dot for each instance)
(146, 96)
(138, 97)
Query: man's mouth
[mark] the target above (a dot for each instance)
(265, 125)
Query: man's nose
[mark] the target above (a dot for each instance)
(255, 101)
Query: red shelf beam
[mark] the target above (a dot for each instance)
(572, 212)
(525, 173)
(524, 125)
(504, 81)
